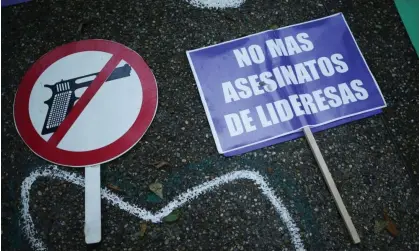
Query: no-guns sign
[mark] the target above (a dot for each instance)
(85, 103)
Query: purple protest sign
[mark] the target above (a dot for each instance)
(5, 3)
(262, 89)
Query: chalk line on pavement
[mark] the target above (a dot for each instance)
(179, 201)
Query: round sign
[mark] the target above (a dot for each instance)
(85, 103)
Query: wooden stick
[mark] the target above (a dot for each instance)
(331, 184)
(92, 205)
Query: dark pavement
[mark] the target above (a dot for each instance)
(373, 161)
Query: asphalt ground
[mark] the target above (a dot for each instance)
(373, 161)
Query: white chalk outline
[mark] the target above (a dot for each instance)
(216, 4)
(180, 200)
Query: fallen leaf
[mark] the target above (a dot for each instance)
(173, 216)
(273, 27)
(153, 198)
(143, 228)
(110, 186)
(380, 226)
(160, 164)
(157, 188)
(270, 170)
(391, 227)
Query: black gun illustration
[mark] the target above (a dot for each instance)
(63, 97)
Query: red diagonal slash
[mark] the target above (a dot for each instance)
(84, 100)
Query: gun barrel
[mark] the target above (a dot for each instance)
(120, 72)
(71, 84)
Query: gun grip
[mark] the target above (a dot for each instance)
(59, 106)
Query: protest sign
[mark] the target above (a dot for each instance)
(263, 89)
(281, 84)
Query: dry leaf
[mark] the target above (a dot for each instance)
(270, 170)
(160, 164)
(157, 188)
(274, 27)
(173, 216)
(380, 226)
(110, 186)
(143, 228)
(153, 198)
(391, 227)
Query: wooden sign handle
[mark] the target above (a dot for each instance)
(331, 184)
